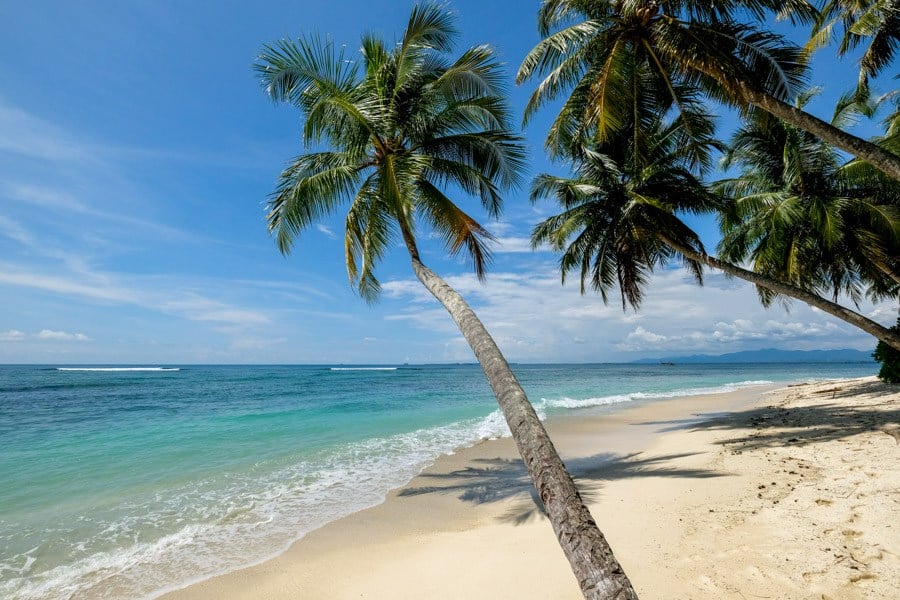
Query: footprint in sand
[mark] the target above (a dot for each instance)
(863, 577)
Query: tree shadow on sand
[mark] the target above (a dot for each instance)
(773, 426)
(497, 479)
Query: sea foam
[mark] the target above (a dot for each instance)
(241, 519)
(363, 369)
(117, 369)
(575, 403)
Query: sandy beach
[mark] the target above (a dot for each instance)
(759, 493)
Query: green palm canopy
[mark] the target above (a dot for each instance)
(402, 124)
(797, 215)
(715, 47)
(624, 194)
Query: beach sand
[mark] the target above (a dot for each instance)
(793, 493)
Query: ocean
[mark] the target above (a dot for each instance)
(125, 482)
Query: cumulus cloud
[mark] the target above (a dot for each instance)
(534, 319)
(62, 336)
(13, 335)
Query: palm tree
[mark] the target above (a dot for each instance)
(619, 221)
(800, 219)
(877, 21)
(690, 41)
(400, 127)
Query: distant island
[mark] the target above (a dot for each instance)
(767, 355)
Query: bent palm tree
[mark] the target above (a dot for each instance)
(689, 41)
(800, 219)
(402, 125)
(619, 222)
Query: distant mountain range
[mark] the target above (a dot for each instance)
(768, 355)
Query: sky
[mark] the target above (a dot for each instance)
(137, 152)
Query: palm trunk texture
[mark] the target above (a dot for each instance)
(597, 570)
(845, 314)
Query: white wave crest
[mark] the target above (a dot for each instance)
(573, 403)
(363, 369)
(117, 369)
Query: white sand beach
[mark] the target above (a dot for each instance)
(759, 493)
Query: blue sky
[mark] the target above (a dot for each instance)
(136, 155)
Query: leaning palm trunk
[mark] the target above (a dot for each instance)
(871, 153)
(845, 314)
(598, 572)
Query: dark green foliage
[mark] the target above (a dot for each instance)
(889, 358)
(627, 189)
(797, 216)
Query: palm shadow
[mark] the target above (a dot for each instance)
(495, 479)
(773, 426)
(498, 479)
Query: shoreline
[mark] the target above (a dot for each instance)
(638, 468)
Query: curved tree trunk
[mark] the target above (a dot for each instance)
(597, 570)
(845, 314)
(875, 155)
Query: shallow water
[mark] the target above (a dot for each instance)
(122, 482)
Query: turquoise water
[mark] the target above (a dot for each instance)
(122, 483)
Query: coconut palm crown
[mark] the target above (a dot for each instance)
(401, 125)
(702, 45)
(622, 194)
(797, 215)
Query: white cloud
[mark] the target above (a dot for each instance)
(198, 308)
(325, 230)
(150, 294)
(62, 336)
(516, 245)
(533, 318)
(13, 335)
(14, 231)
(65, 285)
(24, 134)
(512, 244)
(50, 198)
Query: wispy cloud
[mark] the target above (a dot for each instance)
(107, 288)
(14, 231)
(26, 135)
(325, 230)
(67, 286)
(56, 199)
(198, 308)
